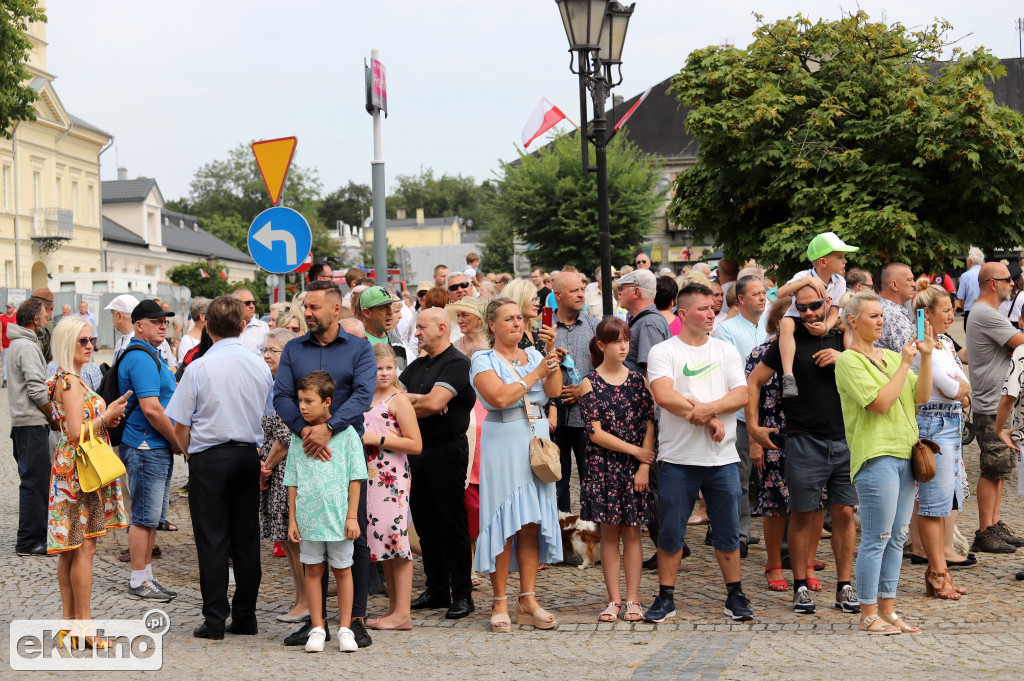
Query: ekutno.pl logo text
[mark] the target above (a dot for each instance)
(95, 645)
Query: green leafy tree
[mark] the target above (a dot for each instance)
(213, 286)
(437, 196)
(17, 98)
(366, 255)
(551, 203)
(350, 204)
(225, 194)
(855, 127)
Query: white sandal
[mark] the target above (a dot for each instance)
(611, 613)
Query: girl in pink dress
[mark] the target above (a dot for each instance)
(391, 432)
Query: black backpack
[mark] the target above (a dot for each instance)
(110, 390)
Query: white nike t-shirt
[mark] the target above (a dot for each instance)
(706, 373)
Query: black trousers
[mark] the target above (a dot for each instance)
(570, 440)
(224, 501)
(437, 502)
(32, 454)
(360, 565)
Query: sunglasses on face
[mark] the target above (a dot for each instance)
(801, 307)
(642, 262)
(456, 287)
(85, 342)
(420, 294)
(247, 303)
(1008, 280)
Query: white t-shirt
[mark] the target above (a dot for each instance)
(835, 288)
(706, 373)
(946, 370)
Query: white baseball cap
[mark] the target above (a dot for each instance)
(123, 303)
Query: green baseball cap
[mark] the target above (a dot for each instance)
(825, 243)
(375, 296)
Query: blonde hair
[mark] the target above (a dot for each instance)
(521, 292)
(853, 306)
(929, 297)
(694, 276)
(492, 313)
(283, 318)
(65, 338)
(296, 304)
(923, 283)
(384, 351)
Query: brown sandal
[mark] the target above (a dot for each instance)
(940, 585)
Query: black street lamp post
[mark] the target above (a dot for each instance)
(596, 30)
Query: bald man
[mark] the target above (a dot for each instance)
(990, 340)
(443, 398)
(353, 326)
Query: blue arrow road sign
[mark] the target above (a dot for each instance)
(279, 239)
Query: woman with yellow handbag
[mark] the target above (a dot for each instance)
(76, 517)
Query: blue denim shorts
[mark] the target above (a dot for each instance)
(148, 473)
(337, 553)
(941, 423)
(678, 487)
(813, 464)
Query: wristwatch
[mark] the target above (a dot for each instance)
(329, 428)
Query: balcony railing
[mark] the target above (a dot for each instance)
(53, 223)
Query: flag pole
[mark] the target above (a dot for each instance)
(571, 121)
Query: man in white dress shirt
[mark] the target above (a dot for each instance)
(254, 335)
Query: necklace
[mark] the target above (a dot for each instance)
(514, 361)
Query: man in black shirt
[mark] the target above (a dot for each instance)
(443, 398)
(817, 455)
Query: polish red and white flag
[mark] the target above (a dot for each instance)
(203, 274)
(633, 108)
(543, 118)
(223, 274)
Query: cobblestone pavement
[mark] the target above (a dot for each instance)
(980, 637)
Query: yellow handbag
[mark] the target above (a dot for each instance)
(96, 462)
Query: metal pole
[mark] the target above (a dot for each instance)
(600, 136)
(380, 239)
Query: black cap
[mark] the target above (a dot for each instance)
(149, 309)
(1015, 270)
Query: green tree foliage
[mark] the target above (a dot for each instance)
(855, 127)
(437, 196)
(350, 204)
(226, 195)
(551, 203)
(213, 286)
(16, 95)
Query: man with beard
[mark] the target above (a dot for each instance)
(817, 456)
(351, 363)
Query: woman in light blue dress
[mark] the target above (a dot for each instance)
(517, 511)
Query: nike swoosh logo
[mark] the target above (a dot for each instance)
(696, 371)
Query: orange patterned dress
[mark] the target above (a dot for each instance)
(74, 514)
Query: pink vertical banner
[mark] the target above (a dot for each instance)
(379, 90)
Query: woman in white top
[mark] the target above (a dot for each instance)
(197, 312)
(941, 420)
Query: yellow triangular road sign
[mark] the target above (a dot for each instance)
(273, 157)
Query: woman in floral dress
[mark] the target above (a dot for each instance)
(77, 518)
(619, 413)
(392, 432)
(273, 495)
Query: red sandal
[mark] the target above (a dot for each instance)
(812, 582)
(776, 584)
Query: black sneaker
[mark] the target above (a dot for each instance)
(660, 610)
(803, 604)
(362, 636)
(846, 600)
(651, 563)
(709, 537)
(163, 588)
(148, 591)
(299, 637)
(1007, 535)
(737, 606)
(990, 541)
(789, 387)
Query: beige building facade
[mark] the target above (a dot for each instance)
(420, 231)
(49, 187)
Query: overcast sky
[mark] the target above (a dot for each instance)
(180, 83)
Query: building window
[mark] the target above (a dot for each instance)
(8, 273)
(92, 205)
(6, 189)
(60, 191)
(74, 202)
(37, 189)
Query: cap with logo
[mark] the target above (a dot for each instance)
(149, 309)
(375, 296)
(825, 243)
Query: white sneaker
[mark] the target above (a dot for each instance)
(346, 640)
(315, 642)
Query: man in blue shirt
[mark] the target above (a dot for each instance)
(351, 363)
(148, 443)
(969, 289)
(744, 332)
(217, 410)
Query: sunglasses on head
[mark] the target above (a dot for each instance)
(456, 287)
(801, 307)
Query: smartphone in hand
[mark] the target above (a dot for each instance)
(920, 325)
(547, 316)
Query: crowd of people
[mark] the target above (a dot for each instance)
(363, 425)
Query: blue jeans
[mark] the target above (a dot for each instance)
(678, 486)
(941, 423)
(885, 488)
(149, 479)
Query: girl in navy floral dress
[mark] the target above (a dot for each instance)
(620, 451)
